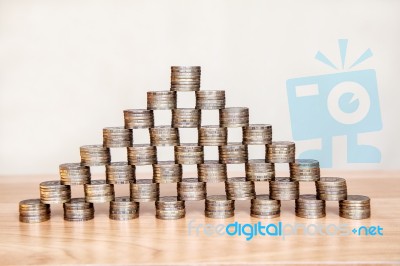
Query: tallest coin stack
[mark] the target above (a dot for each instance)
(185, 80)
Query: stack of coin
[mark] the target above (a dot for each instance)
(189, 153)
(234, 117)
(265, 207)
(78, 210)
(309, 207)
(99, 191)
(185, 78)
(355, 207)
(210, 100)
(281, 152)
(120, 173)
(331, 188)
(144, 190)
(122, 208)
(33, 211)
(161, 100)
(282, 188)
(186, 118)
(164, 136)
(115, 137)
(94, 155)
(53, 192)
(233, 153)
(257, 134)
(142, 154)
(304, 170)
(74, 174)
(170, 208)
(138, 118)
(259, 170)
(167, 172)
(237, 188)
(213, 136)
(218, 206)
(191, 189)
(212, 172)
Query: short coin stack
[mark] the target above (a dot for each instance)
(170, 208)
(282, 188)
(138, 118)
(33, 211)
(308, 206)
(191, 189)
(167, 172)
(331, 188)
(212, 171)
(122, 208)
(237, 188)
(265, 207)
(74, 174)
(257, 134)
(233, 153)
(164, 136)
(77, 209)
(99, 191)
(144, 190)
(161, 100)
(234, 117)
(355, 207)
(218, 206)
(186, 118)
(210, 100)
(53, 192)
(281, 152)
(213, 136)
(304, 170)
(94, 155)
(259, 170)
(185, 78)
(120, 173)
(142, 154)
(115, 137)
(189, 153)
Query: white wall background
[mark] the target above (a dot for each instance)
(69, 68)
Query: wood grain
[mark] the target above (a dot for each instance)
(150, 241)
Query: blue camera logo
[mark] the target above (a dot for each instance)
(344, 103)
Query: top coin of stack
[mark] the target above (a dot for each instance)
(355, 207)
(185, 78)
(281, 152)
(234, 117)
(114, 137)
(257, 134)
(209, 100)
(138, 118)
(161, 100)
(74, 174)
(94, 155)
(305, 170)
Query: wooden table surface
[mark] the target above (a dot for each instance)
(150, 241)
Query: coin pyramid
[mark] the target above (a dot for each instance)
(187, 79)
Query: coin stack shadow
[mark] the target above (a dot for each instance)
(186, 79)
